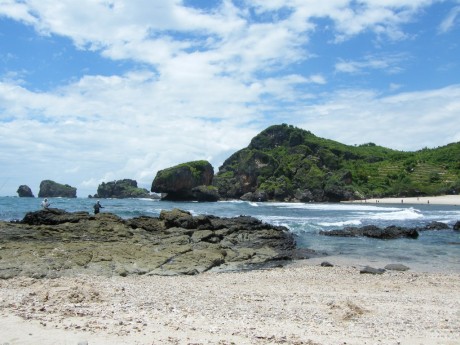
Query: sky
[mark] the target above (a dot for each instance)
(94, 91)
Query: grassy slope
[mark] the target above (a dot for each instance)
(288, 158)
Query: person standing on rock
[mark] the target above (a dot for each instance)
(45, 204)
(97, 206)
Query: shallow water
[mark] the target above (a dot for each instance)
(432, 251)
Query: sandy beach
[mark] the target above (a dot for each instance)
(298, 304)
(453, 200)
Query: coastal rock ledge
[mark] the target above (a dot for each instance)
(54, 243)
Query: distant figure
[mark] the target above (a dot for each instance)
(45, 204)
(97, 206)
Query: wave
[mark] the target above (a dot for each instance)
(343, 223)
(329, 207)
(405, 214)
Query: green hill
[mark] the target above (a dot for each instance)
(288, 163)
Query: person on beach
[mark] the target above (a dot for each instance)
(97, 206)
(45, 204)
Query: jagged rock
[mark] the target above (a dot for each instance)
(188, 181)
(25, 192)
(205, 193)
(50, 189)
(120, 189)
(390, 232)
(457, 226)
(436, 226)
(53, 243)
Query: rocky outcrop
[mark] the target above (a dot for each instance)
(25, 192)
(457, 226)
(390, 232)
(51, 189)
(53, 243)
(121, 189)
(285, 163)
(188, 181)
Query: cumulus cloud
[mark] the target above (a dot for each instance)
(411, 120)
(202, 84)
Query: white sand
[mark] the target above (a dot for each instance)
(299, 304)
(432, 200)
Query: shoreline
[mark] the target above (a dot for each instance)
(305, 304)
(452, 200)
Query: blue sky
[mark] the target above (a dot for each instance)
(95, 91)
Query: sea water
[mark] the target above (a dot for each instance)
(432, 251)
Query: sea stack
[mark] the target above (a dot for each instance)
(50, 189)
(24, 191)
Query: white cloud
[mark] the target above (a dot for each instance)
(206, 83)
(390, 64)
(405, 121)
(450, 21)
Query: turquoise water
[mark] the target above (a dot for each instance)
(433, 250)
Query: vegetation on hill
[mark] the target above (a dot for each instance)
(287, 163)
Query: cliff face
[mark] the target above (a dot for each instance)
(287, 163)
(50, 189)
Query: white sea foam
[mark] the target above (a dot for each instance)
(403, 214)
(339, 224)
(330, 207)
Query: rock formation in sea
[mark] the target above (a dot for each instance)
(49, 189)
(120, 189)
(457, 226)
(387, 233)
(53, 243)
(24, 191)
(187, 181)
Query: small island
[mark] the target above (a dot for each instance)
(121, 189)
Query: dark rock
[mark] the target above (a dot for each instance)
(396, 267)
(180, 182)
(390, 232)
(50, 189)
(53, 243)
(436, 226)
(121, 189)
(25, 192)
(457, 226)
(53, 216)
(257, 196)
(326, 264)
(205, 193)
(371, 270)
(304, 195)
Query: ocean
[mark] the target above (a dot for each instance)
(432, 251)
